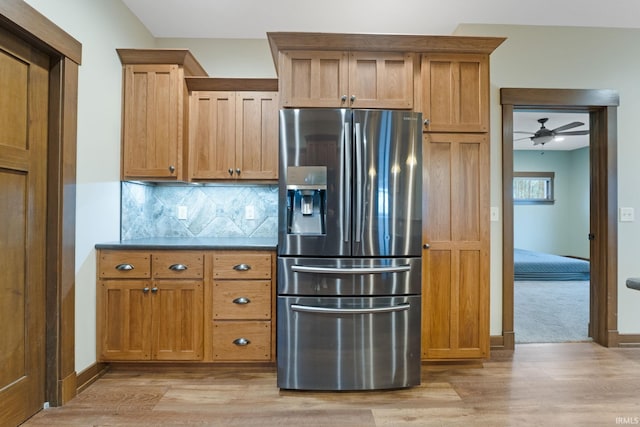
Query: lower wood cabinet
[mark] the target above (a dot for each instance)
(181, 305)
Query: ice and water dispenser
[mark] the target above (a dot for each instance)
(306, 199)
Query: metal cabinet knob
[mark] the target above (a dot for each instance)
(178, 267)
(230, 171)
(427, 122)
(145, 290)
(241, 342)
(124, 267)
(426, 246)
(353, 99)
(154, 290)
(242, 267)
(241, 301)
(343, 98)
(172, 168)
(237, 171)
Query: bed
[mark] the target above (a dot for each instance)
(532, 265)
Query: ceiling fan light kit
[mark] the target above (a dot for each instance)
(544, 135)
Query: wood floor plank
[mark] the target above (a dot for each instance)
(537, 384)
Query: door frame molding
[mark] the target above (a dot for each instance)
(65, 55)
(602, 108)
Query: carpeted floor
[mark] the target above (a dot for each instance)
(551, 311)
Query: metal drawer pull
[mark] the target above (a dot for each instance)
(326, 310)
(241, 341)
(354, 270)
(145, 290)
(242, 267)
(124, 267)
(177, 267)
(241, 300)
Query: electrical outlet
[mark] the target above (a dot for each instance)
(182, 212)
(249, 212)
(495, 213)
(626, 214)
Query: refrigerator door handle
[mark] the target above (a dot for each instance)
(325, 310)
(359, 165)
(354, 270)
(346, 229)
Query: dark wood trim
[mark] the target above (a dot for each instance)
(22, 19)
(380, 42)
(65, 56)
(90, 375)
(629, 340)
(507, 225)
(227, 84)
(602, 107)
(61, 205)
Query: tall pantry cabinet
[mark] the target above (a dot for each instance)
(447, 79)
(455, 104)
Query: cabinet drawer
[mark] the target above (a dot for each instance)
(237, 299)
(241, 341)
(177, 264)
(124, 264)
(242, 265)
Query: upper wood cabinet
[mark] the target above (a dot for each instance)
(336, 79)
(233, 135)
(153, 112)
(455, 92)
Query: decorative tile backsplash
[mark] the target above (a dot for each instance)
(150, 210)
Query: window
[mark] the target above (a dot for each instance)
(533, 187)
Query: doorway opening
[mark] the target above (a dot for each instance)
(601, 107)
(551, 224)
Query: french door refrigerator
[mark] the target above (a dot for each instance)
(349, 249)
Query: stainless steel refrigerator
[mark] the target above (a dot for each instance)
(349, 249)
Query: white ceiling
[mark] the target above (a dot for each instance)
(528, 122)
(254, 18)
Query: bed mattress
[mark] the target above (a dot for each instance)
(532, 265)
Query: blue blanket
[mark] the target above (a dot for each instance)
(531, 265)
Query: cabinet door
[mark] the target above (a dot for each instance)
(456, 226)
(212, 142)
(455, 92)
(178, 320)
(124, 320)
(381, 80)
(257, 135)
(313, 78)
(152, 117)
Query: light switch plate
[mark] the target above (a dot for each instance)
(495, 213)
(249, 212)
(182, 212)
(626, 214)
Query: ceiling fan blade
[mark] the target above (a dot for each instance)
(574, 132)
(520, 139)
(519, 131)
(567, 126)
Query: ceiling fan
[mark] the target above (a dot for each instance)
(544, 135)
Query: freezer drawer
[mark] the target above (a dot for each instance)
(349, 276)
(345, 343)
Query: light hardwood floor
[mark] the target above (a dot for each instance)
(538, 384)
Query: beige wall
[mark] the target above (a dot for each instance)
(531, 57)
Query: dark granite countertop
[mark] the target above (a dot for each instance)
(198, 243)
(634, 283)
